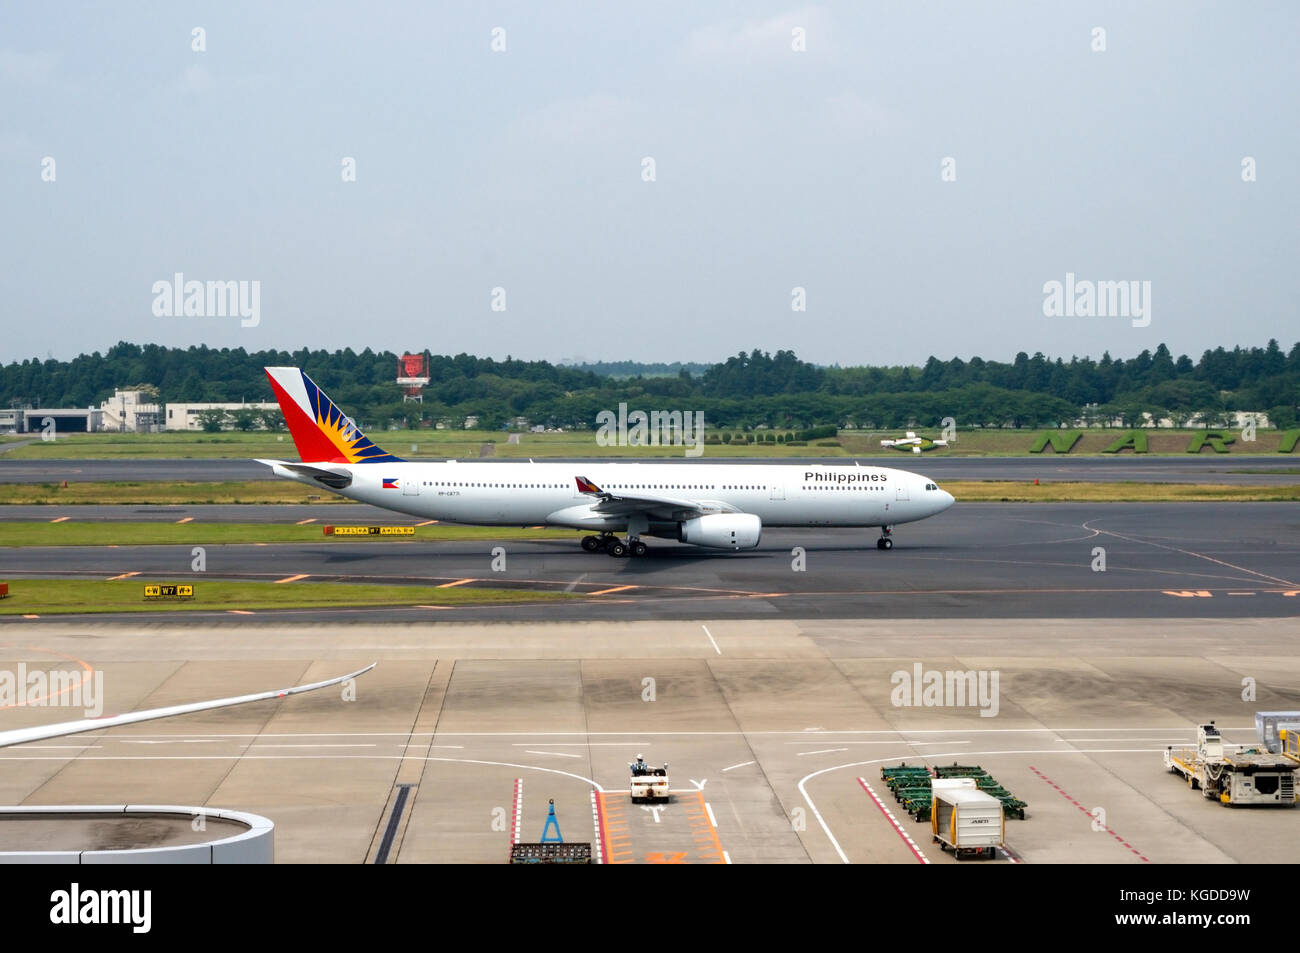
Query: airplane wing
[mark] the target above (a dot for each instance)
(20, 736)
(337, 477)
(651, 504)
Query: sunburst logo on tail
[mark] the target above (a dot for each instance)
(321, 432)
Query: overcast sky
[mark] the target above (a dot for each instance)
(774, 169)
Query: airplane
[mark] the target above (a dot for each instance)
(913, 443)
(721, 506)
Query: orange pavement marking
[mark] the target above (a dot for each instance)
(603, 592)
(87, 671)
(704, 830)
(611, 809)
(301, 575)
(450, 585)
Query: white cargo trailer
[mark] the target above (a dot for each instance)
(1269, 723)
(965, 820)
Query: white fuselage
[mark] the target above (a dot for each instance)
(546, 494)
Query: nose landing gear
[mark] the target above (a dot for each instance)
(885, 541)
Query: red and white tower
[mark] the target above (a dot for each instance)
(412, 375)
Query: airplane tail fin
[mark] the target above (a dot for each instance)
(321, 432)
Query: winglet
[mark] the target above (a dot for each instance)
(586, 486)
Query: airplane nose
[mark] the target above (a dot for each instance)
(947, 499)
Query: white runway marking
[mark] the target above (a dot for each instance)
(1188, 552)
(802, 732)
(579, 744)
(743, 764)
(1182, 738)
(600, 835)
(800, 754)
(255, 746)
(519, 807)
(309, 757)
(711, 639)
(556, 754)
(900, 741)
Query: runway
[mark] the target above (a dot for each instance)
(1207, 467)
(261, 513)
(994, 561)
(774, 733)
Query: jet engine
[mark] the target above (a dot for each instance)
(722, 531)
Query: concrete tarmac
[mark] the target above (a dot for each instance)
(774, 733)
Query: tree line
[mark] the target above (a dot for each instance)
(748, 390)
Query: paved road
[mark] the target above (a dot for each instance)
(262, 513)
(1208, 467)
(1179, 560)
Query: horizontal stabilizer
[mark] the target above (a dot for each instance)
(336, 478)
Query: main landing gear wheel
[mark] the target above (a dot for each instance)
(639, 548)
(884, 543)
(592, 544)
(616, 547)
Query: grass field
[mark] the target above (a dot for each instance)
(55, 596)
(473, 444)
(73, 533)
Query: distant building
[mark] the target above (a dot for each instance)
(128, 411)
(190, 416)
(1237, 420)
(42, 419)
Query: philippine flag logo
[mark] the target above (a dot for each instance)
(390, 484)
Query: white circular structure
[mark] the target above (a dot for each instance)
(133, 834)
